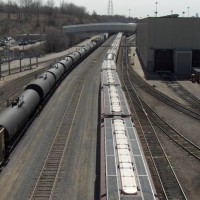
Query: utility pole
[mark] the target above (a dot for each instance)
(156, 12)
(188, 11)
(110, 7)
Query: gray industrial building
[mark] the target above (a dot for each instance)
(169, 44)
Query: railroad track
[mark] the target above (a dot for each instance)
(168, 130)
(165, 180)
(141, 84)
(46, 181)
(180, 91)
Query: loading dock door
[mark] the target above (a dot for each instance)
(163, 60)
(196, 58)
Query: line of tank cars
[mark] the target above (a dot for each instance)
(123, 172)
(13, 118)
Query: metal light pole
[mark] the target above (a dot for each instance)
(188, 11)
(30, 60)
(20, 64)
(36, 59)
(183, 13)
(156, 12)
(129, 10)
(21, 57)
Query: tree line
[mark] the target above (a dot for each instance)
(34, 16)
(27, 9)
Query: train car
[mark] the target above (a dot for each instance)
(82, 51)
(108, 65)
(43, 84)
(106, 36)
(109, 77)
(92, 45)
(110, 56)
(124, 174)
(18, 112)
(87, 49)
(74, 56)
(113, 52)
(60, 65)
(97, 40)
(68, 62)
(114, 102)
(30, 99)
(57, 71)
(2, 145)
(13, 118)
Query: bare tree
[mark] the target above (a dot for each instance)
(36, 9)
(1, 5)
(95, 16)
(81, 12)
(50, 5)
(9, 8)
(72, 9)
(62, 6)
(26, 4)
(56, 40)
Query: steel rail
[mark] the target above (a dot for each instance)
(180, 91)
(15, 87)
(147, 152)
(173, 134)
(47, 178)
(170, 184)
(160, 96)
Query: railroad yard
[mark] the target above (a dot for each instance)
(64, 139)
(183, 157)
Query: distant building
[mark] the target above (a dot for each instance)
(169, 44)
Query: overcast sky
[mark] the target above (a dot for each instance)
(141, 8)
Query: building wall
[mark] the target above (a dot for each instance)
(182, 62)
(174, 32)
(166, 33)
(142, 41)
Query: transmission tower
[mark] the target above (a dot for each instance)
(110, 7)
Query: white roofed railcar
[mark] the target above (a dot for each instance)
(109, 77)
(113, 51)
(108, 65)
(114, 102)
(126, 170)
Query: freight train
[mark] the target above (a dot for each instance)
(121, 155)
(14, 117)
